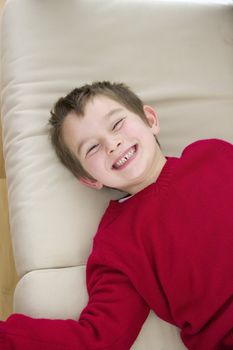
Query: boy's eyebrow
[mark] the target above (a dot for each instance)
(106, 116)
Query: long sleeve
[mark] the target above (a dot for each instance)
(111, 320)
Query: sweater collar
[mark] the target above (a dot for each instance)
(161, 183)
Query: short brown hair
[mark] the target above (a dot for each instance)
(76, 101)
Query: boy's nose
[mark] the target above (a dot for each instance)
(113, 145)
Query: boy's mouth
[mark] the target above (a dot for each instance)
(122, 161)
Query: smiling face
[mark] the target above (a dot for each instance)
(114, 145)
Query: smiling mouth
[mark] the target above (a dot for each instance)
(125, 159)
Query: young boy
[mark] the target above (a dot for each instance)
(167, 246)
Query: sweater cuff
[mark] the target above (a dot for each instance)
(4, 343)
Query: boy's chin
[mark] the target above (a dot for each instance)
(114, 188)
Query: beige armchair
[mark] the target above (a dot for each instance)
(177, 55)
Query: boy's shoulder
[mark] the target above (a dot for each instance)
(207, 146)
(205, 158)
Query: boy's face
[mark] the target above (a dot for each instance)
(114, 145)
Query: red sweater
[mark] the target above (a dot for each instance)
(168, 248)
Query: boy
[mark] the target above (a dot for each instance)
(166, 246)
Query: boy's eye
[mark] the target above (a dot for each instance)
(94, 147)
(117, 125)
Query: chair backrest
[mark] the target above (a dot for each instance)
(176, 55)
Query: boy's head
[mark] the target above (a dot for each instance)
(96, 131)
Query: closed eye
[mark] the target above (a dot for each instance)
(91, 149)
(118, 124)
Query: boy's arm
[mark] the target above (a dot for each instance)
(111, 320)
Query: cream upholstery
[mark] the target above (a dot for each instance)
(178, 56)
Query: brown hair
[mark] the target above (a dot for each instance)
(76, 101)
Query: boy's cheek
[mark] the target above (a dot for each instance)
(132, 130)
(93, 164)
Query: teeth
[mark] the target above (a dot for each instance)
(125, 158)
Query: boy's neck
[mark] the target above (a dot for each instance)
(154, 174)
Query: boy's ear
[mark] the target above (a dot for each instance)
(152, 118)
(90, 183)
